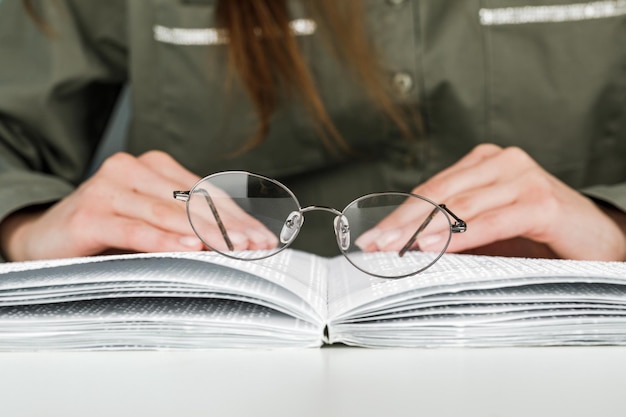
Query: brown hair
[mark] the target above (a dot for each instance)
(264, 53)
(30, 9)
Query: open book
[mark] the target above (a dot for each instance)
(203, 300)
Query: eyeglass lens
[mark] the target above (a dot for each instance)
(247, 216)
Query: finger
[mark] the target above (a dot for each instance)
(167, 215)
(396, 236)
(235, 240)
(505, 211)
(499, 167)
(476, 157)
(469, 204)
(473, 187)
(224, 226)
(145, 187)
(131, 234)
(88, 234)
(212, 209)
(503, 223)
(108, 197)
(101, 200)
(168, 167)
(128, 172)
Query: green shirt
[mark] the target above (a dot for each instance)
(554, 86)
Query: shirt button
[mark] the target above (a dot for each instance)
(396, 2)
(402, 83)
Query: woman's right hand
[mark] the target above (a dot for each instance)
(126, 206)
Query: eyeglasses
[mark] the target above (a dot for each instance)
(249, 217)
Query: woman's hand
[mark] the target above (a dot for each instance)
(126, 205)
(513, 207)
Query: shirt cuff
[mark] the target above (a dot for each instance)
(614, 195)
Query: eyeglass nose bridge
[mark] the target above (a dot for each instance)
(295, 219)
(342, 232)
(291, 227)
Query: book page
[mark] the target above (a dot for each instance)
(466, 300)
(151, 323)
(351, 291)
(290, 282)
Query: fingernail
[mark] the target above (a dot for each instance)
(237, 238)
(262, 237)
(388, 237)
(429, 240)
(364, 241)
(190, 241)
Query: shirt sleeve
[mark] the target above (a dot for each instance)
(58, 83)
(614, 195)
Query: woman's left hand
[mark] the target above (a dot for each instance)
(512, 206)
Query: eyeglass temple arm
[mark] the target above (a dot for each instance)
(184, 196)
(458, 227)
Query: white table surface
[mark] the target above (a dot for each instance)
(332, 381)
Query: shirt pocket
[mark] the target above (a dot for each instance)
(208, 117)
(192, 79)
(556, 75)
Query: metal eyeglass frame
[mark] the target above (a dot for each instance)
(295, 220)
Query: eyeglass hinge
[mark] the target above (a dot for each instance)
(460, 226)
(181, 195)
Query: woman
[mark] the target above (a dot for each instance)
(514, 117)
